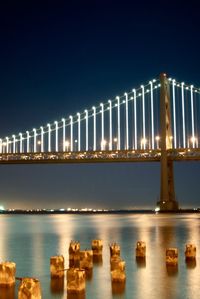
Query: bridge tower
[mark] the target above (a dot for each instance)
(167, 200)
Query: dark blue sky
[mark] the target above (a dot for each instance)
(57, 58)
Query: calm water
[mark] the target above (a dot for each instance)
(30, 241)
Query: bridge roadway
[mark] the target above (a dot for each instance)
(99, 156)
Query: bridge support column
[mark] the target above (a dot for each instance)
(167, 200)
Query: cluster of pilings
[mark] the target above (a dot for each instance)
(81, 266)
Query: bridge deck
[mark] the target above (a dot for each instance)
(99, 156)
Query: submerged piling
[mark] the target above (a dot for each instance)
(114, 250)
(172, 256)
(190, 252)
(140, 250)
(7, 274)
(57, 266)
(97, 247)
(118, 273)
(75, 280)
(74, 254)
(86, 259)
(29, 288)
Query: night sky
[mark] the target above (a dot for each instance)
(61, 57)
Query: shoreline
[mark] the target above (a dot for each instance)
(94, 212)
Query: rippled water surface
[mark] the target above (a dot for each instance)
(30, 241)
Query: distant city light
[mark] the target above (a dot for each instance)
(2, 208)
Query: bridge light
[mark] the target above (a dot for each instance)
(143, 143)
(66, 144)
(34, 145)
(103, 144)
(63, 120)
(56, 137)
(79, 131)
(157, 141)
(86, 130)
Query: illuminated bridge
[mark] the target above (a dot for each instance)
(159, 121)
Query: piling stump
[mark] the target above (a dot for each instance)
(172, 256)
(97, 247)
(74, 254)
(140, 250)
(86, 259)
(57, 285)
(114, 262)
(190, 252)
(119, 274)
(75, 280)
(7, 274)
(57, 266)
(29, 288)
(114, 250)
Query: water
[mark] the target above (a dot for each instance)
(30, 241)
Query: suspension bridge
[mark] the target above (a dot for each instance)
(159, 121)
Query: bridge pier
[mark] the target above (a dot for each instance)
(167, 200)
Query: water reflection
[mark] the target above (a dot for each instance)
(172, 270)
(118, 288)
(88, 274)
(76, 296)
(57, 285)
(31, 241)
(191, 264)
(7, 293)
(98, 260)
(141, 262)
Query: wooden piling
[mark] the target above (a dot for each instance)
(74, 254)
(190, 252)
(7, 274)
(140, 250)
(119, 274)
(114, 250)
(86, 259)
(172, 256)
(29, 288)
(75, 280)
(57, 266)
(97, 247)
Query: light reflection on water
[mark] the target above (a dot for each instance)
(30, 241)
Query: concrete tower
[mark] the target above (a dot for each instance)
(167, 193)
